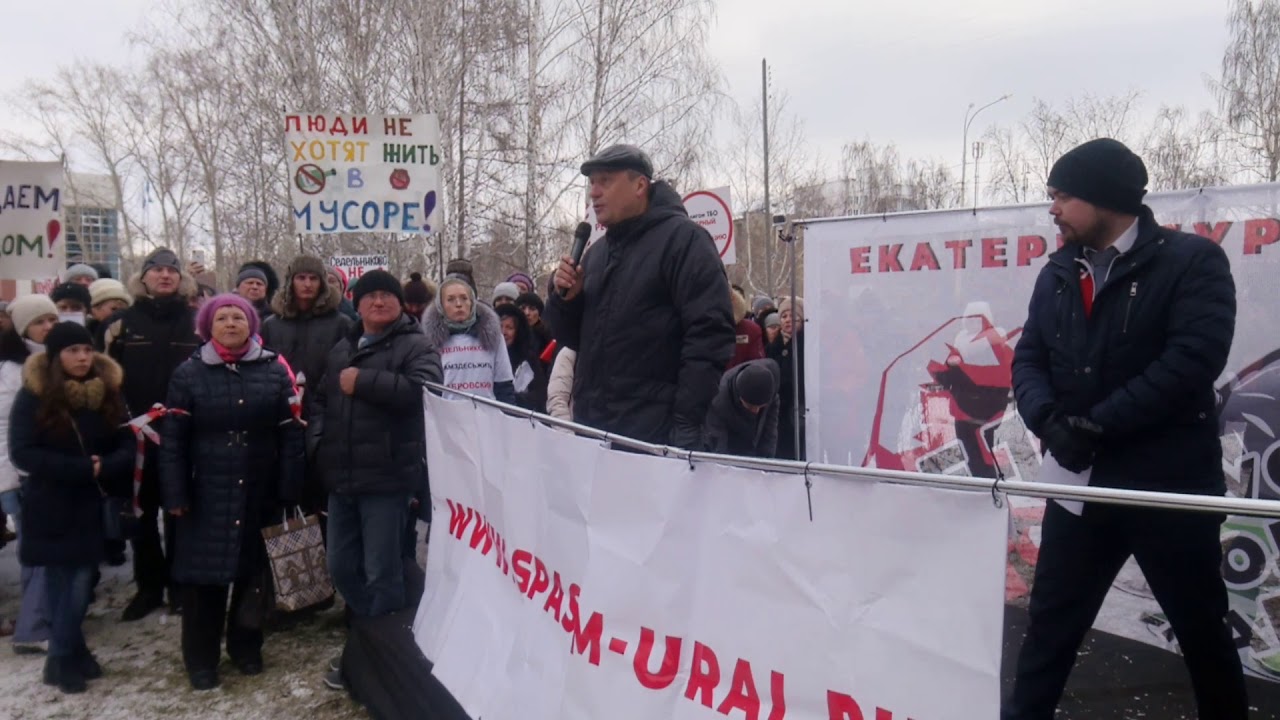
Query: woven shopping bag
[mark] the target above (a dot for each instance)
(299, 572)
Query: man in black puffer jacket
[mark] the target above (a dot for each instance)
(368, 436)
(150, 339)
(648, 312)
(305, 326)
(1130, 325)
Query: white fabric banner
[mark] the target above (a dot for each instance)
(363, 173)
(32, 237)
(568, 581)
(911, 325)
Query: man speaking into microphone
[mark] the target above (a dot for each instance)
(647, 309)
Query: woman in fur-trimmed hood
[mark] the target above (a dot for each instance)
(469, 335)
(66, 436)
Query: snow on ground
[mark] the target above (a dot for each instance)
(144, 675)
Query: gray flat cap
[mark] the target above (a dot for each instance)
(620, 157)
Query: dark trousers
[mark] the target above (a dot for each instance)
(1181, 556)
(68, 588)
(366, 548)
(204, 613)
(151, 561)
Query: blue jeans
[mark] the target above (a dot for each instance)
(69, 587)
(366, 541)
(32, 624)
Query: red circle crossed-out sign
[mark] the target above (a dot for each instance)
(712, 212)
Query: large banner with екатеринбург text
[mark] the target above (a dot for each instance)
(912, 321)
(569, 581)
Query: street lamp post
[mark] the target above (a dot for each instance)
(969, 115)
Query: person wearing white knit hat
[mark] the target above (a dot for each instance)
(33, 315)
(80, 274)
(108, 296)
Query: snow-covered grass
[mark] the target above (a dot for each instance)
(144, 675)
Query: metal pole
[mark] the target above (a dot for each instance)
(796, 327)
(1109, 496)
(977, 155)
(964, 152)
(964, 144)
(768, 208)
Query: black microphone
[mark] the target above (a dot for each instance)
(580, 237)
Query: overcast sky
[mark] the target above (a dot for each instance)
(898, 70)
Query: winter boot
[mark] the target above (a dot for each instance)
(141, 605)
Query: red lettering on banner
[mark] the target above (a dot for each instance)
(1258, 233)
(1030, 247)
(993, 252)
(541, 580)
(958, 249)
(842, 707)
(587, 640)
(924, 258)
(520, 562)
(1215, 232)
(889, 258)
(777, 696)
(704, 675)
(861, 259)
(459, 518)
(666, 673)
(742, 693)
(478, 535)
(555, 598)
(569, 622)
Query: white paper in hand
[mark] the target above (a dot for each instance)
(1052, 472)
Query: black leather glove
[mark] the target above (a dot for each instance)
(1073, 441)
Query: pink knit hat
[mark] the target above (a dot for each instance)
(204, 319)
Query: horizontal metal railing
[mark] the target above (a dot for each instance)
(1111, 496)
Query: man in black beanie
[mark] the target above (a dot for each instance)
(1129, 326)
(149, 340)
(366, 432)
(743, 418)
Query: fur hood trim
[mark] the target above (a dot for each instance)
(329, 300)
(187, 287)
(35, 372)
(739, 305)
(488, 330)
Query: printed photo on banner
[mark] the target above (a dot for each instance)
(914, 318)
(363, 173)
(32, 236)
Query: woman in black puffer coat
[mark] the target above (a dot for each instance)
(531, 376)
(228, 467)
(66, 435)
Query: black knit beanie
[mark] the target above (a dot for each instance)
(376, 280)
(416, 290)
(1104, 173)
(65, 335)
(755, 384)
(72, 291)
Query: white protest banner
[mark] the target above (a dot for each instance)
(569, 581)
(713, 210)
(351, 267)
(32, 236)
(911, 325)
(363, 173)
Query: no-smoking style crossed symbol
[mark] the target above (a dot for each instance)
(310, 179)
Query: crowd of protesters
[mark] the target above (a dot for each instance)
(308, 393)
(312, 395)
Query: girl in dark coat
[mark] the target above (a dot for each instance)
(228, 467)
(531, 375)
(67, 437)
